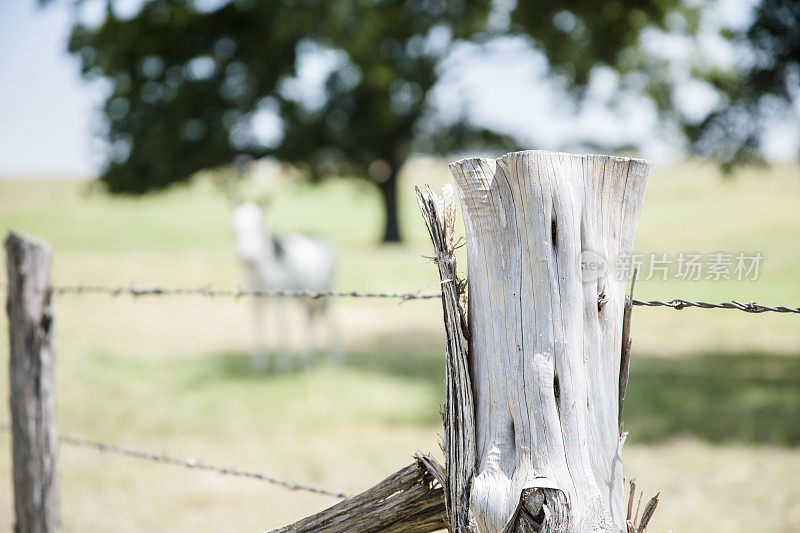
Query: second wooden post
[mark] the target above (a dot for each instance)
(32, 389)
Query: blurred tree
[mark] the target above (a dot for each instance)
(190, 88)
(187, 86)
(579, 35)
(374, 110)
(751, 72)
(761, 88)
(183, 84)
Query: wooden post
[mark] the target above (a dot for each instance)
(536, 372)
(30, 333)
(545, 342)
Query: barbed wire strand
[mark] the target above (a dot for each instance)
(186, 463)
(749, 307)
(150, 290)
(147, 290)
(153, 290)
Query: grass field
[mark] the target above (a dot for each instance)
(713, 408)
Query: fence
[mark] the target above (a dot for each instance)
(415, 492)
(137, 291)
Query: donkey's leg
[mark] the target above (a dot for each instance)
(310, 347)
(333, 344)
(284, 359)
(259, 361)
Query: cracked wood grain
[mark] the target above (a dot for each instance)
(458, 419)
(544, 357)
(408, 501)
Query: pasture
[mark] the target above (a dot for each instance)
(713, 407)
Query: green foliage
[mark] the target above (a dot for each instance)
(579, 35)
(764, 87)
(376, 99)
(186, 84)
(374, 102)
(182, 82)
(763, 83)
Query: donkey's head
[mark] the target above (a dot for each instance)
(250, 232)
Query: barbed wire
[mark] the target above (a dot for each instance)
(148, 290)
(186, 463)
(154, 290)
(749, 307)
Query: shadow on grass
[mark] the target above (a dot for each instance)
(418, 363)
(747, 398)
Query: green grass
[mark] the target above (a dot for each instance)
(748, 398)
(713, 407)
(722, 398)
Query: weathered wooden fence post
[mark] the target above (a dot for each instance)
(536, 367)
(34, 437)
(542, 378)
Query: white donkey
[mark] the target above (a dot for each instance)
(296, 262)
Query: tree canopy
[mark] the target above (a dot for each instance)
(763, 86)
(190, 87)
(182, 83)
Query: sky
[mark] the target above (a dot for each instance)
(49, 116)
(46, 110)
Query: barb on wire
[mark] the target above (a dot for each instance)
(187, 463)
(750, 307)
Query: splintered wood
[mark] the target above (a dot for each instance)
(458, 442)
(408, 501)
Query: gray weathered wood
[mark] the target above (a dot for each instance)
(625, 357)
(535, 379)
(648, 512)
(34, 438)
(408, 501)
(458, 442)
(544, 357)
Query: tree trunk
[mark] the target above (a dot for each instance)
(545, 336)
(388, 188)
